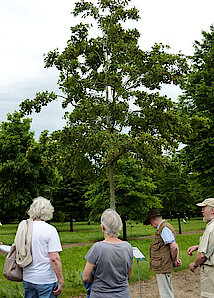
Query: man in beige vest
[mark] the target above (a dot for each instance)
(205, 255)
(164, 252)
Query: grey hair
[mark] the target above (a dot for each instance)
(112, 222)
(41, 208)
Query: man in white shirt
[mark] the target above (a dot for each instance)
(205, 255)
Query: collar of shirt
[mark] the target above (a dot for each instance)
(160, 224)
(210, 222)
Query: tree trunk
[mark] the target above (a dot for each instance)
(124, 229)
(71, 224)
(179, 223)
(111, 168)
(112, 189)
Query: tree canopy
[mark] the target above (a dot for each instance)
(24, 174)
(111, 87)
(198, 101)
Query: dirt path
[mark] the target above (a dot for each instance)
(185, 284)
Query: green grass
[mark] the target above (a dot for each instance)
(8, 233)
(77, 226)
(73, 259)
(191, 225)
(84, 232)
(75, 237)
(141, 230)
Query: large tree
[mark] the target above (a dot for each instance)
(198, 101)
(111, 86)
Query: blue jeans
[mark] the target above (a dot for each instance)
(39, 290)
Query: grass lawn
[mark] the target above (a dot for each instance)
(73, 258)
(84, 232)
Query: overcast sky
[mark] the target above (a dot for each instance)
(30, 28)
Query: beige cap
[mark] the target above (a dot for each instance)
(207, 202)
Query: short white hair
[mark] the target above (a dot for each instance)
(112, 222)
(41, 208)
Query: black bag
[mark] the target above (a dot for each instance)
(12, 271)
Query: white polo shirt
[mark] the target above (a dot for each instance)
(207, 243)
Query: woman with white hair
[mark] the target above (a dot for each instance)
(109, 262)
(40, 277)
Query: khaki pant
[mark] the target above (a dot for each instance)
(165, 285)
(207, 281)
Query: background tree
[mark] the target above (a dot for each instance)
(102, 78)
(69, 200)
(173, 190)
(24, 173)
(76, 176)
(198, 100)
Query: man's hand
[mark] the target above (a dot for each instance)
(199, 259)
(177, 262)
(191, 249)
(192, 266)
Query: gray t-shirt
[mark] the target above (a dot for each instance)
(112, 262)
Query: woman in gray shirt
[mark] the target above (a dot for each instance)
(110, 260)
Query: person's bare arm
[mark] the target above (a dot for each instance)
(174, 250)
(200, 258)
(57, 267)
(87, 273)
(129, 273)
(191, 249)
